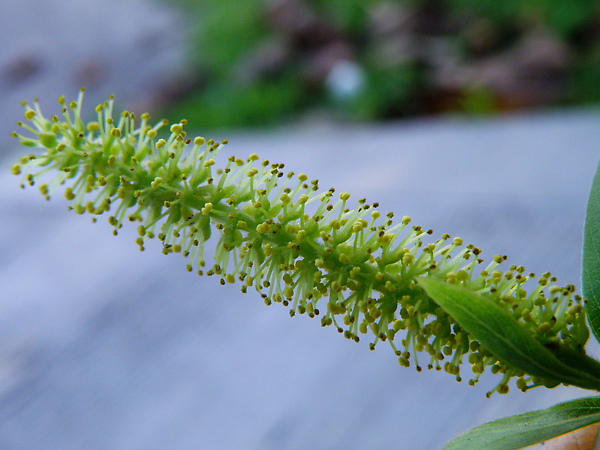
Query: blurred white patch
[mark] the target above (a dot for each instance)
(345, 80)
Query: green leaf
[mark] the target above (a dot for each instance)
(530, 428)
(591, 257)
(501, 334)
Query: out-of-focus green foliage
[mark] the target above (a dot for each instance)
(224, 31)
(263, 61)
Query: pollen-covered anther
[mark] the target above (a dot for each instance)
(69, 194)
(359, 226)
(264, 227)
(344, 259)
(176, 128)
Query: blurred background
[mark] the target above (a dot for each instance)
(260, 61)
(478, 119)
(232, 63)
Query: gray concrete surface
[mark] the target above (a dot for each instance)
(129, 48)
(107, 347)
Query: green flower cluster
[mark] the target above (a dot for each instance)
(295, 244)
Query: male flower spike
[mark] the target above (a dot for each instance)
(295, 244)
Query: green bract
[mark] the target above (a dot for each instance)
(305, 248)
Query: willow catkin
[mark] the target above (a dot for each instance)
(277, 232)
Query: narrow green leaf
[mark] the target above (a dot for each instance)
(502, 335)
(591, 257)
(511, 433)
